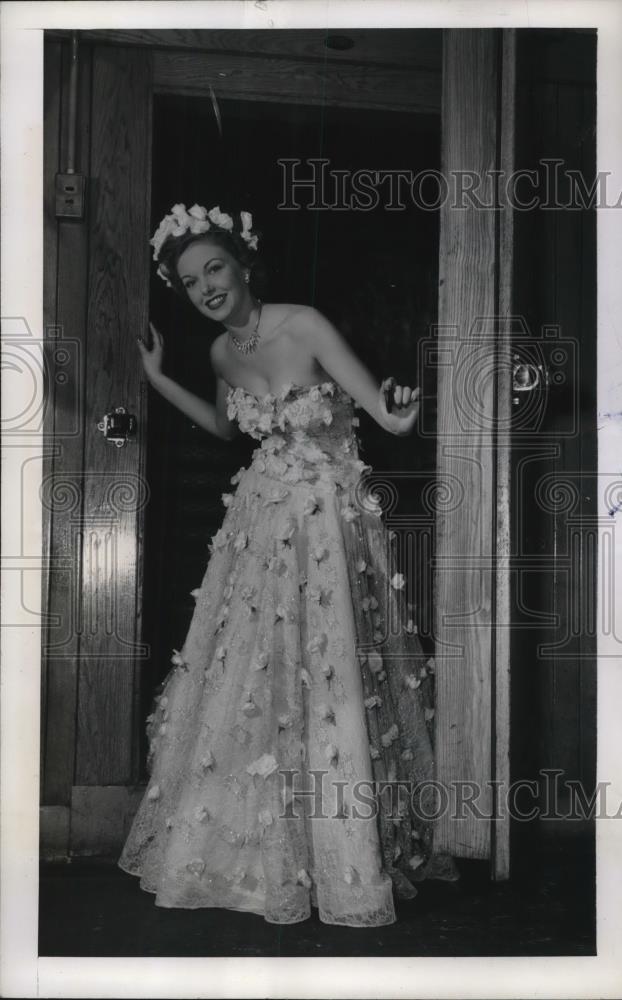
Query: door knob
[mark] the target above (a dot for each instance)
(527, 376)
(118, 426)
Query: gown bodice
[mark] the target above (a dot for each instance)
(307, 432)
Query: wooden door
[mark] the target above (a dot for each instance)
(97, 490)
(471, 593)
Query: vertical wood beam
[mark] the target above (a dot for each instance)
(65, 297)
(471, 684)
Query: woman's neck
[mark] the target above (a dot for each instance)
(244, 324)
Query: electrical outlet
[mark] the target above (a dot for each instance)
(70, 196)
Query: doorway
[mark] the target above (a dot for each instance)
(374, 278)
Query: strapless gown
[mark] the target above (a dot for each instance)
(301, 699)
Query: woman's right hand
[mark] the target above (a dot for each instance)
(152, 357)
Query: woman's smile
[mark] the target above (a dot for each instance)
(215, 301)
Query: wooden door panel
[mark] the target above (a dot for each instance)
(114, 491)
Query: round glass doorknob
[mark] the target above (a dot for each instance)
(525, 376)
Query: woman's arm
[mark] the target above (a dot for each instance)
(211, 418)
(334, 354)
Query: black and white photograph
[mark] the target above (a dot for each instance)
(311, 451)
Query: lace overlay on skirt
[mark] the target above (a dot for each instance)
(300, 686)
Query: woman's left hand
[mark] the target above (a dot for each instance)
(404, 406)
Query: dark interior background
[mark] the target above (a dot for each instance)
(554, 530)
(373, 273)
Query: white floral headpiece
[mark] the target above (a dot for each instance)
(198, 220)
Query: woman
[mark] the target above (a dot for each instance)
(301, 684)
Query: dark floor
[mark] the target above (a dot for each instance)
(546, 908)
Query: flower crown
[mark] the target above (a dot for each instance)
(198, 220)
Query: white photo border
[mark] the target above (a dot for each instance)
(22, 972)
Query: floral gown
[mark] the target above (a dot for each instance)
(301, 682)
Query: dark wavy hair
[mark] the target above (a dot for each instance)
(174, 246)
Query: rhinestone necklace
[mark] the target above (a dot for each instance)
(249, 345)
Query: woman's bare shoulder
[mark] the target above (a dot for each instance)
(302, 318)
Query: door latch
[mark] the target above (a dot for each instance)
(118, 426)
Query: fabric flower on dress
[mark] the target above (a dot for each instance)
(349, 513)
(260, 661)
(374, 752)
(326, 713)
(410, 627)
(248, 707)
(276, 497)
(227, 499)
(429, 714)
(412, 682)
(207, 761)
(219, 540)
(311, 505)
(235, 479)
(398, 581)
(286, 532)
(241, 541)
(154, 793)
(302, 878)
(407, 755)
(361, 566)
(285, 721)
(351, 876)
(316, 643)
(263, 766)
(305, 677)
(223, 616)
(196, 867)
(390, 736)
(375, 701)
(195, 593)
(280, 613)
(202, 815)
(177, 659)
(327, 670)
(416, 861)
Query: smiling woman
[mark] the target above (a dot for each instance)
(300, 660)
